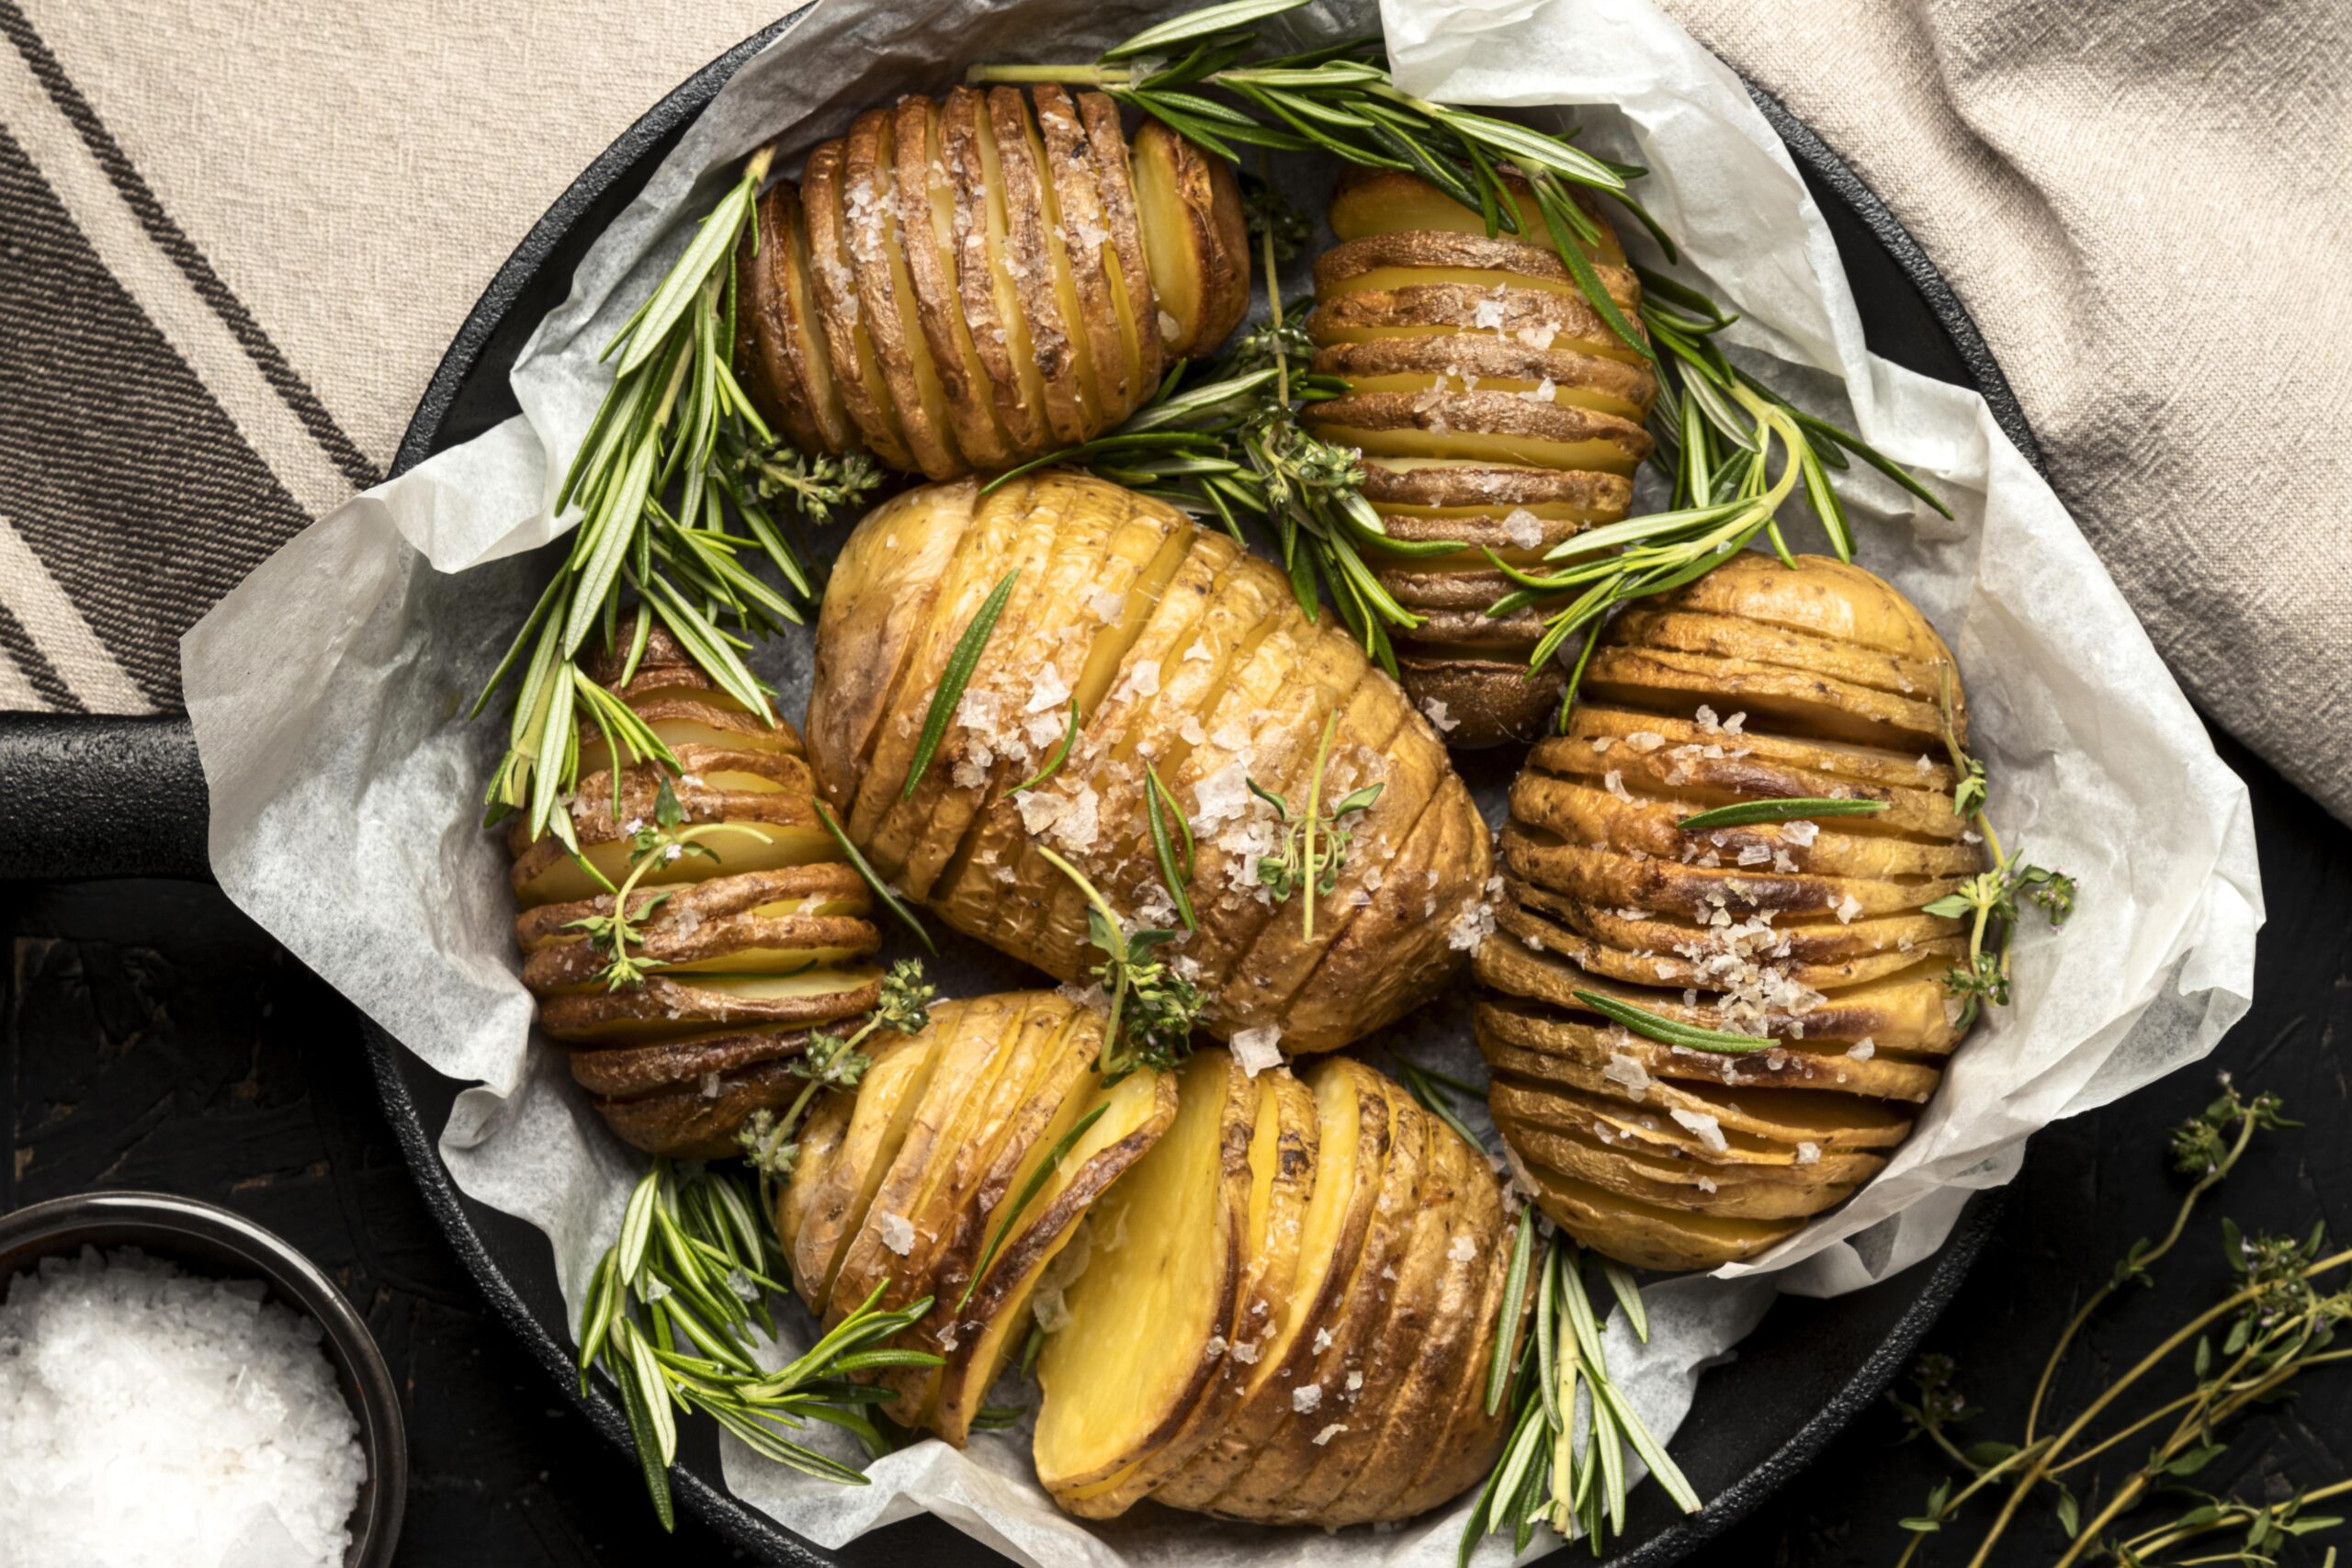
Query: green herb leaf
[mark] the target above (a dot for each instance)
(1053, 763)
(890, 900)
(1791, 809)
(1668, 1031)
(962, 660)
(1038, 1176)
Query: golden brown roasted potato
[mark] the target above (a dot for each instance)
(746, 954)
(1184, 655)
(971, 283)
(1210, 1246)
(1494, 406)
(1754, 682)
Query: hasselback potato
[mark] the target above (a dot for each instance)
(744, 954)
(970, 283)
(1754, 683)
(1262, 1296)
(1493, 406)
(1184, 655)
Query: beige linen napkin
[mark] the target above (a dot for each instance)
(239, 235)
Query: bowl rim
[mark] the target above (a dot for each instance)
(56, 1223)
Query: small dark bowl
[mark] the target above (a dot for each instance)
(206, 1240)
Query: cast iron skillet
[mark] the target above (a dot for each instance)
(1808, 1369)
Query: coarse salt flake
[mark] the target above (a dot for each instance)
(1703, 1127)
(1330, 1432)
(1435, 708)
(897, 1231)
(1258, 1049)
(1863, 1049)
(1463, 1249)
(1522, 526)
(1808, 1153)
(1628, 1073)
(1309, 1398)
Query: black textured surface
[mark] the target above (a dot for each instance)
(84, 796)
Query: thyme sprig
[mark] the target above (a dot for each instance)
(1231, 446)
(1300, 861)
(662, 843)
(2276, 1322)
(1988, 901)
(834, 1061)
(1153, 1008)
(671, 1314)
(676, 458)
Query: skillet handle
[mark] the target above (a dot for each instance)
(85, 797)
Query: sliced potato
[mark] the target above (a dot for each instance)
(927, 229)
(849, 343)
(870, 231)
(1180, 650)
(1387, 201)
(998, 324)
(834, 1212)
(1136, 1113)
(1129, 271)
(1138, 1348)
(1195, 240)
(1083, 252)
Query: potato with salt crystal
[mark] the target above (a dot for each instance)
(1495, 409)
(1186, 657)
(966, 284)
(746, 954)
(1756, 682)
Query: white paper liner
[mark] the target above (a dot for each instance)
(325, 694)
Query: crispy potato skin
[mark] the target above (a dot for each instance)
(1181, 650)
(1387, 1297)
(962, 286)
(678, 1061)
(1521, 412)
(1754, 682)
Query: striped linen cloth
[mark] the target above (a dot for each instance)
(236, 234)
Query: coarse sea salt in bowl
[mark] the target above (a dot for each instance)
(110, 1284)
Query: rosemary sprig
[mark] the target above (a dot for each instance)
(1300, 861)
(865, 868)
(2276, 1322)
(670, 1316)
(1988, 901)
(1053, 763)
(1671, 1031)
(1029, 1190)
(1175, 869)
(962, 660)
(662, 843)
(675, 456)
(1153, 1008)
(1545, 1476)
(1792, 808)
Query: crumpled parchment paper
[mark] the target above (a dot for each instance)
(326, 693)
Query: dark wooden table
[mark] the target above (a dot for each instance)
(155, 1038)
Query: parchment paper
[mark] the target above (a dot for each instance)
(325, 694)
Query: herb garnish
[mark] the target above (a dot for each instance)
(1153, 1008)
(675, 424)
(1989, 899)
(962, 660)
(658, 843)
(882, 890)
(1301, 862)
(1671, 1031)
(831, 1061)
(1053, 763)
(1741, 813)
(1175, 871)
(2276, 1322)
(670, 1313)
(1029, 1190)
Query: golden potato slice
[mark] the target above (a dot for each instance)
(1342, 1340)
(1029, 258)
(1491, 426)
(820, 1139)
(1081, 240)
(927, 248)
(1508, 363)
(888, 1095)
(1353, 1124)
(1463, 1447)
(1136, 1111)
(1140, 1346)
(1434, 1373)
(870, 231)
(1282, 1177)
(1537, 318)
(1652, 1235)
(1195, 240)
(1129, 271)
(848, 341)
(767, 336)
(1444, 487)
(1767, 765)
(992, 307)
(1389, 201)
